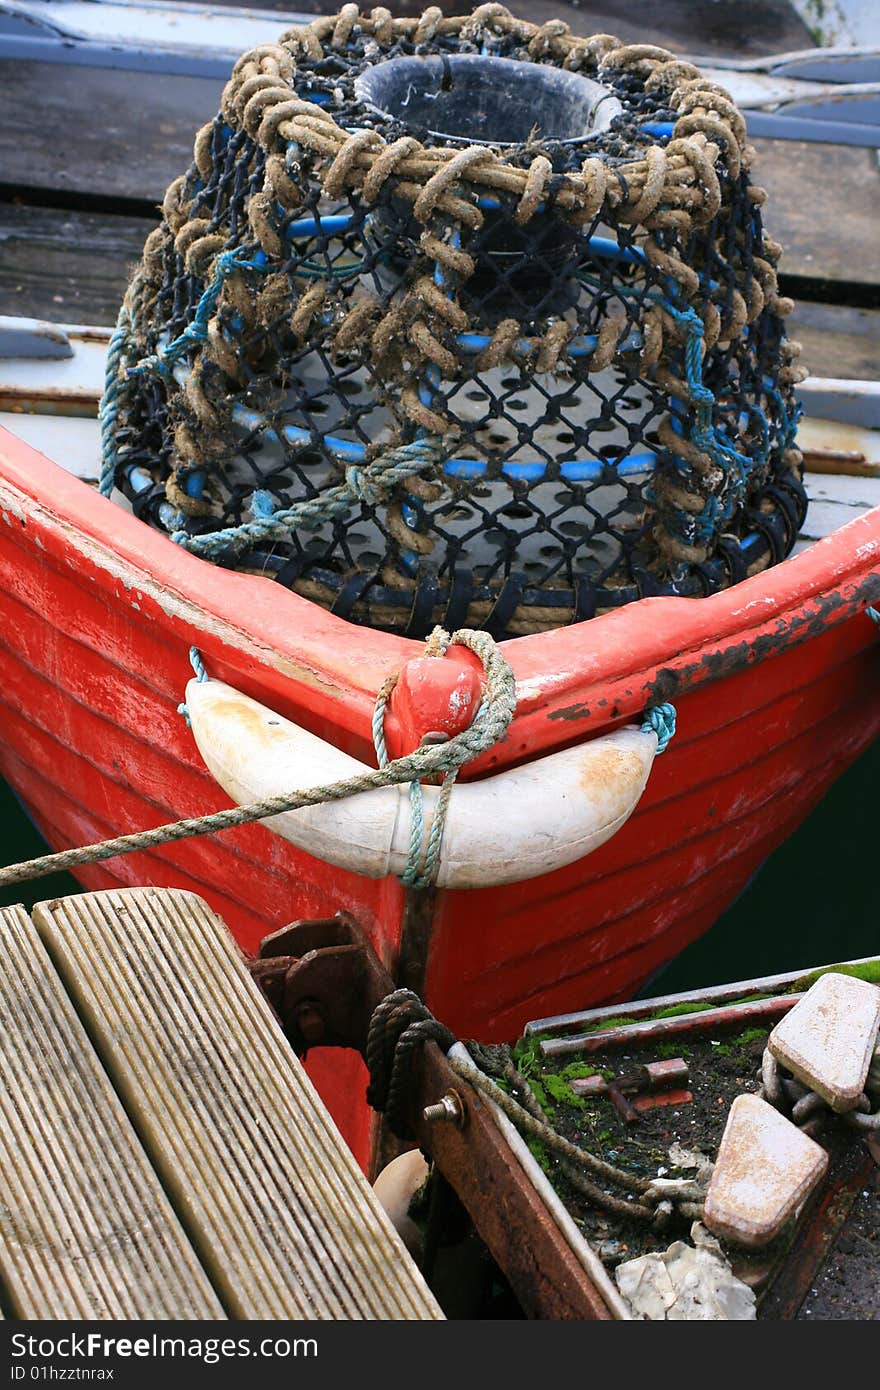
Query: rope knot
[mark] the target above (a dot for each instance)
(371, 490)
(661, 721)
(490, 724)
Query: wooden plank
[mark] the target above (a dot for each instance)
(86, 1230)
(824, 206)
(750, 28)
(97, 131)
(104, 132)
(282, 1216)
(66, 266)
(837, 340)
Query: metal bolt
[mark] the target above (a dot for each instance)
(308, 1022)
(449, 1109)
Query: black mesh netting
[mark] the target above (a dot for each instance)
(420, 377)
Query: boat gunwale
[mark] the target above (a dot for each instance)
(326, 670)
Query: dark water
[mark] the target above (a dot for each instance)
(814, 901)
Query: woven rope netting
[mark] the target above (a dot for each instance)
(462, 321)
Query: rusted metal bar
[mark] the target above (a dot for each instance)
(712, 996)
(671, 1071)
(543, 1271)
(324, 981)
(682, 1025)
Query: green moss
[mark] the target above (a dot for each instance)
(576, 1071)
(604, 1023)
(561, 1092)
(537, 1088)
(869, 970)
(527, 1055)
(749, 1036)
(538, 1150)
(672, 1049)
(674, 1010)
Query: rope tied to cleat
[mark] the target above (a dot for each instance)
(430, 760)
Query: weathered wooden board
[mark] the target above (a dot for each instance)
(695, 26)
(824, 207)
(68, 267)
(284, 1221)
(87, 1230)
(97, 131)
(837, 340)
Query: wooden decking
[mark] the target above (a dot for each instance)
(162, 1151)
(79, 194)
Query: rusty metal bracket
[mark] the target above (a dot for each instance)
(324, 980)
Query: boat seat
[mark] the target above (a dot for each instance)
(162, 1152)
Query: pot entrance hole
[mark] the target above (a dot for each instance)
(476, 100)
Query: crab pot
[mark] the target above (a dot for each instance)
(447, 325)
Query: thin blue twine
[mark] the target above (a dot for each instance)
(109, 407)
(198, 665)
(197, 331)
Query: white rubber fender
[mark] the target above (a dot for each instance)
(518, 824)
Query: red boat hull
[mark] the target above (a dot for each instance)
(776, 683)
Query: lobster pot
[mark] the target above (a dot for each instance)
(459, 321)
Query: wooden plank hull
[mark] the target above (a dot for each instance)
(776, 683)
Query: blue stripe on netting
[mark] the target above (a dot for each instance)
(334, 224)
(573, 471)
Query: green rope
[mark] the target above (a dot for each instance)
(373, 483)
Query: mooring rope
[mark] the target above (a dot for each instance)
(429, 760)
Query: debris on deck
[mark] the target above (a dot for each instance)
(766, 1169)
(688, 1283)
(828, 1040)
